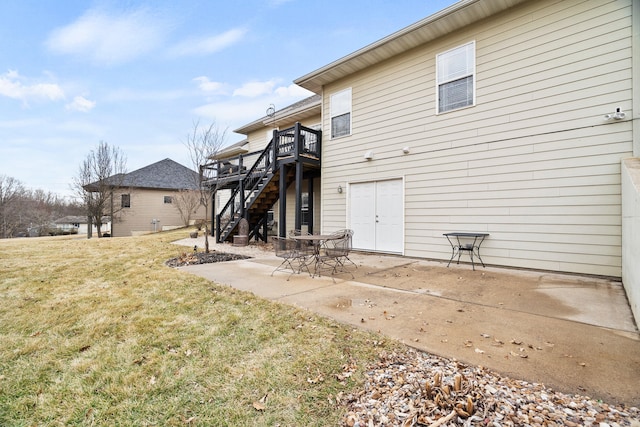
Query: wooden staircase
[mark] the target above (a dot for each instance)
(258, 190)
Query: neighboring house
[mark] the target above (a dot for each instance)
(516, 118)
(80, 223)
(146, 200)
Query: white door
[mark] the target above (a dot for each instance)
(376, 215)
(362, 205)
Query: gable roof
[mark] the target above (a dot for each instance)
(448, 20)
(165, 174)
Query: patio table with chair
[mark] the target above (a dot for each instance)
(325, 252)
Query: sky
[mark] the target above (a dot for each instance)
(138, 75)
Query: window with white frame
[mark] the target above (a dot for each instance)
(455, 74)
(341, 113)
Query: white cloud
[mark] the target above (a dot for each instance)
(233, 114)
(207, 45)
(255, 89)
(12, 86)
(207, 85)
(293, 91)
(108, 38)
(80, 103)
(250, 103)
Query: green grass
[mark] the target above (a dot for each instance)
(101, 332)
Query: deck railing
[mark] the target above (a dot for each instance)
(291, 143)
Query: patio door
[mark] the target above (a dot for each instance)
(376, 215)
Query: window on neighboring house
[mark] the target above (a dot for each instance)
(341, 113)
(455, 71)
(126, 201)
(305, 209)
(168, 199)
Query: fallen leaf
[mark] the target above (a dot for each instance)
(514, 354)
(152, 381)
(468, 343)
(479, 351)
(485, 335)
(516, 342)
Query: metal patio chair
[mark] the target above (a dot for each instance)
(335, 253)
(293, 259)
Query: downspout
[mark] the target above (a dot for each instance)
(635, 79)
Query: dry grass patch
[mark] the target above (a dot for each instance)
(101, 332)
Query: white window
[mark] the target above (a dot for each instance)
(456, 77)
(341, 113)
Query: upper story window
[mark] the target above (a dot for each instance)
(126, 201)
(168, 199)
(455, 77)
(341, 113)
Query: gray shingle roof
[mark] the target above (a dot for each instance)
(165, 174)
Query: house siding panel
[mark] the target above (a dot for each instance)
(533, 163)
(147, 205)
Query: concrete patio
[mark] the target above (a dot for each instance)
(575, 334)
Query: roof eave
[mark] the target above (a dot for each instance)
(303, 112)
(452, 18)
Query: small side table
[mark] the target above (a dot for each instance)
(472, 248)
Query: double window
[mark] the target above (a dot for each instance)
(455, 75)
(341, 113)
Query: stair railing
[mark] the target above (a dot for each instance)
(247, 189)
(292, 141)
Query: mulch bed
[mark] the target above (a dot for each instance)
(203, 258)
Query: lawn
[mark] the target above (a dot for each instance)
(101, 332)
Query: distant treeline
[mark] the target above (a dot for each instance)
(23, 210)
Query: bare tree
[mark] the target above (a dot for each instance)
(101, 172)
(187, 203)
(203, 143)
(11, 194)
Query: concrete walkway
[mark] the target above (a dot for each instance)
(575, 334)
